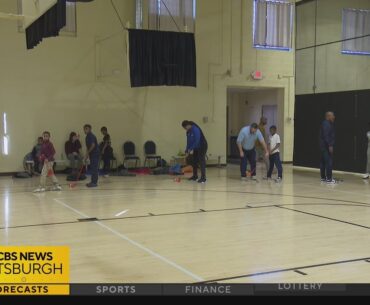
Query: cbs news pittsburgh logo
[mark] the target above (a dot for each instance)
(34, 271)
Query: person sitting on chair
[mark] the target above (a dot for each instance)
(36, 155)
(73, 151)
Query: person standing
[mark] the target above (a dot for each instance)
(246, 143)
(47, 154)
(197, 147)
(73, 151)
(259, 148)
(106, 151)
(92, 153)
(274, 148)
(327, 142)
(367, 175)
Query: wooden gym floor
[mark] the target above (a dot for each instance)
(153, 230)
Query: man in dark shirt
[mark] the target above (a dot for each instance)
(327, 141)
(106, 150)
(92, 153)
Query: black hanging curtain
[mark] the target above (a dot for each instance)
(160, 58)
(47, 25)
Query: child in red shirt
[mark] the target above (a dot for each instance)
(47, 158)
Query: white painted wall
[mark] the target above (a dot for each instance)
(334, 70)
(66, 82)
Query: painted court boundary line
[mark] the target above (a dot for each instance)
(287, 270)
(324, 217)
(187, 213)
(134, 243)
(211, 191)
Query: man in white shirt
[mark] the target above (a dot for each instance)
(274, 149)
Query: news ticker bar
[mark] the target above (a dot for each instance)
(184, 289)
(217, 289)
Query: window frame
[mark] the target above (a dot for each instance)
(254, 20)
(145, 14)
(349, 52)
(63, 31)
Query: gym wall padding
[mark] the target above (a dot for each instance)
(352, 110)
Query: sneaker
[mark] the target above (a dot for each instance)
(243, 178)
(106, 176)
(278, 180)
(266, 178)
(323, 180)
(91, 185)
(194, 178)
(202, 180)
(366, 177)
(56, 188)
(254, 178)
(40, 190)
(331, 182)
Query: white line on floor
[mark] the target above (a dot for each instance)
(121, 213)
(134, 243)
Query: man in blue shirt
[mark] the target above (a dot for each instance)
(92, 153)
(197, 146)
(327, 141)
(246, 144)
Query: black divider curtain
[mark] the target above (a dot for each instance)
(160, 58)
(47, 25)
(352, 109)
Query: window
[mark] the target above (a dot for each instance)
(71, 26)
(5, 140)
(356, 32)
(273, 24)
(167, 15)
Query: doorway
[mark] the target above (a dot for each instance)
(247, 105)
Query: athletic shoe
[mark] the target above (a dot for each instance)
(243, 178)
(194, 178)
(40, 190)
(266, 178)
(91, 185)
(279, 180)
(106, 176)
(57, 188)
(254, 178)
(323, 180)
(202, 180)
(366, 177)
(331, 182)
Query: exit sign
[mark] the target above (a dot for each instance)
(257, 75)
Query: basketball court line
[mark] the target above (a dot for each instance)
(286, 270)
(134, 243)
(148, 215)
(324, 217)
(213, 191)
(300, 272)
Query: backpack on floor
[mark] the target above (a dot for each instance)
(161, 171)
(22, 175)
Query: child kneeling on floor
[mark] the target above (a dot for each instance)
(274, 149)
(47, 158)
